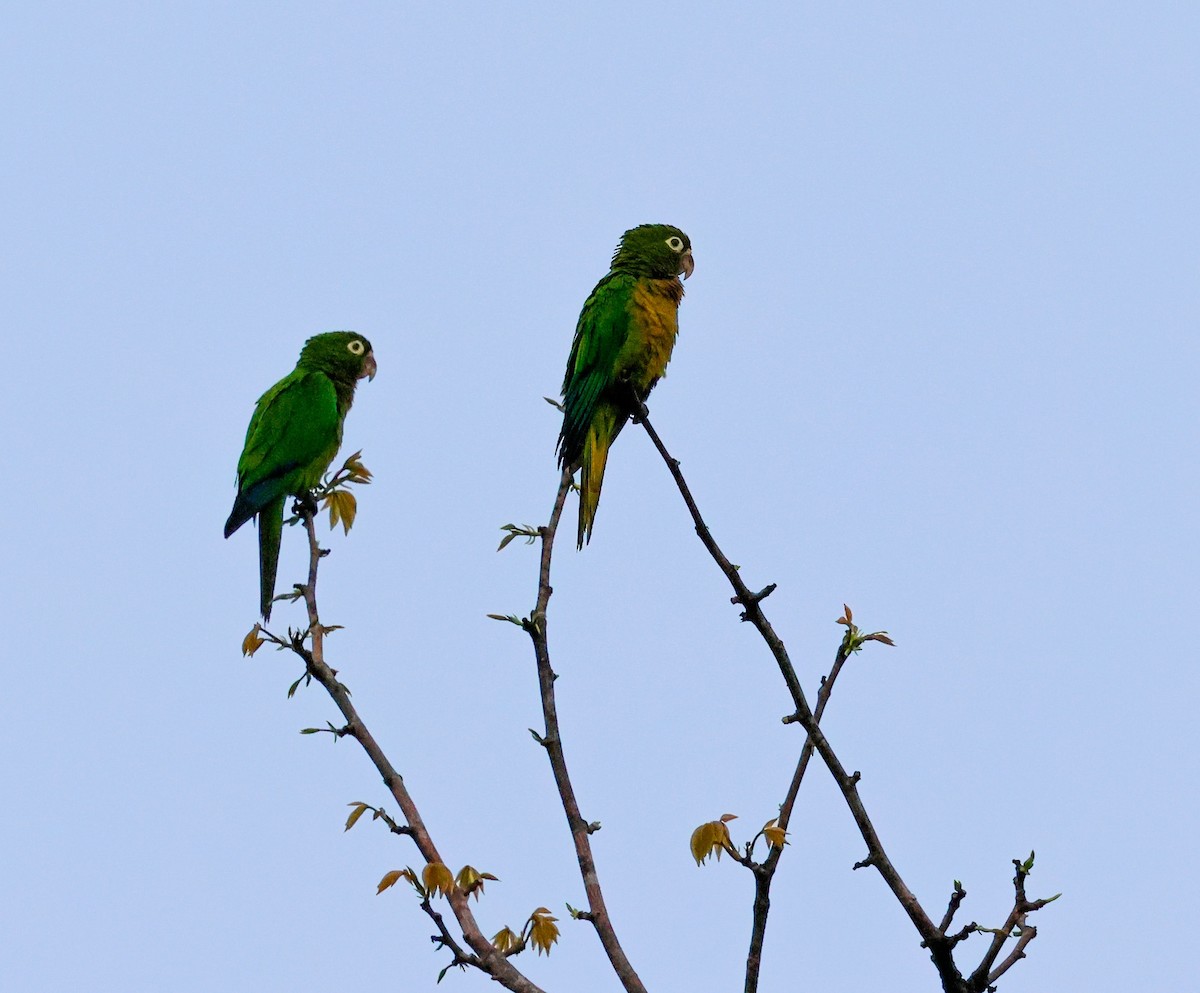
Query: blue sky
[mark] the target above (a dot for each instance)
(937, 361)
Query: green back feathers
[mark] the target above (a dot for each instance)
(622, 343)
(296, 427)
(294, 433)
(648, 251)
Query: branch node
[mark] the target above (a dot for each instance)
(963, 934)
(868, 861)
(753, 599)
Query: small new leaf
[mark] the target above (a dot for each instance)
(505, 940)
(708, 839)
(343, 506)
(397, 874)
(252, 642)
(1027, 865)
(390, 880)
(526, 531)
(470, 880)
(438, 879)
(543, 931)
(511, 618)
(355, 814)
(355, 470)
(775, 835)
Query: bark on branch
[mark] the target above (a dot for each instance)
(551, 740)
(483, 954)
(933, 937)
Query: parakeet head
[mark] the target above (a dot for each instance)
(344, 355)
(659, 251)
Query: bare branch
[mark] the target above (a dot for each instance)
(486, 957)
(764, 874)
(804, 716)
(1015, 926)
(956, 898)
(551, 740)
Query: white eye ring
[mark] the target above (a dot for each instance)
(675, 243)
(356, 347)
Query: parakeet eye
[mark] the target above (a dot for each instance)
(675, 243)
(356, 347)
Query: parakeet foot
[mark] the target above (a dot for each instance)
(304, 504)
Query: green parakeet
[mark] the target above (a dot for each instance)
(622, 345)
(294, 433)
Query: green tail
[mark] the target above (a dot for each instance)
(270, 532)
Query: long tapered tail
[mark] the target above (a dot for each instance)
(270, 532)
(606, 425)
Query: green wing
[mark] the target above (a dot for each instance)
(603, 328)
(293, 436)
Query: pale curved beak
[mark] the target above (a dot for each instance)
(687, 264)
(369, 367)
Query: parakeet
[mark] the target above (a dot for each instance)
(623, 341)
(294, 433)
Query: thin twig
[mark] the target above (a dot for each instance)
(956, 899)
(486, 956)
(984, 975)
(764, 873)
(804, 716)
(580, 829)
(933, 937)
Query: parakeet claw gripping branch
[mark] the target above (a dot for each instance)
(622, 345)
(294, 433)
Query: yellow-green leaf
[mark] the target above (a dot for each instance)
(358, 472)
(543, 931)
(708, 839)
(252, 642)
(355, 814)
(470, 880)
(505, 940)
(343, 507)
(389, 880)
(775, 835)
(437, 878)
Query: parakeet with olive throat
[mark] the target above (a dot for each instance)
(623, 342)
(294, 433)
